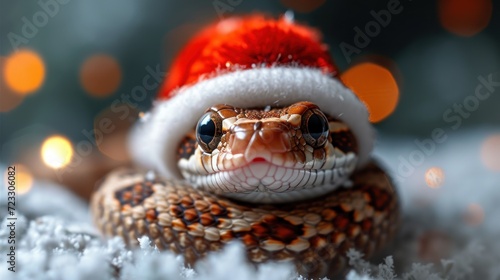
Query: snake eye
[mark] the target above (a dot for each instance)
(315, 128)
(209, 131)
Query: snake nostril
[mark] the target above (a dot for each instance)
(257, 126)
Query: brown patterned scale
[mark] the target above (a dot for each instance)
(314, 234)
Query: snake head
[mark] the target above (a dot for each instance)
(268, 155)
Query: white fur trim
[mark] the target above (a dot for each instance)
(154, 141)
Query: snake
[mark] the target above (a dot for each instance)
(281, 180)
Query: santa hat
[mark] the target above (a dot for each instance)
(245, 62)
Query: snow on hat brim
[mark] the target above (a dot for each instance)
(154, 141)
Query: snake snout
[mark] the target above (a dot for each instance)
(259, 140)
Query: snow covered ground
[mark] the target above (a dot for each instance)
(450, 231)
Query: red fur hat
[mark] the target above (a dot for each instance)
(245, 62)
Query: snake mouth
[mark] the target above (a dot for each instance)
(261, 181)
(258, 159)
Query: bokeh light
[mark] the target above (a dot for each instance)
(474, 215)
(23, 178)
(383, 61)
(57, 151)
(100, 75)
(465, 17)
(8, 98)
(24, 71)
(434, 177)
(111, 130)
(490, 152)
(303, 6)
(375, 86)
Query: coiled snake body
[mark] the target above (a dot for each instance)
(281, 180)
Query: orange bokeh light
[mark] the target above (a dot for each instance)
(24, 71)
(100, 75)
(490, 152)
(8, 98)
(375, 86)
(434, 177)
(23, 179)
(303, 6)
(465, 17)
